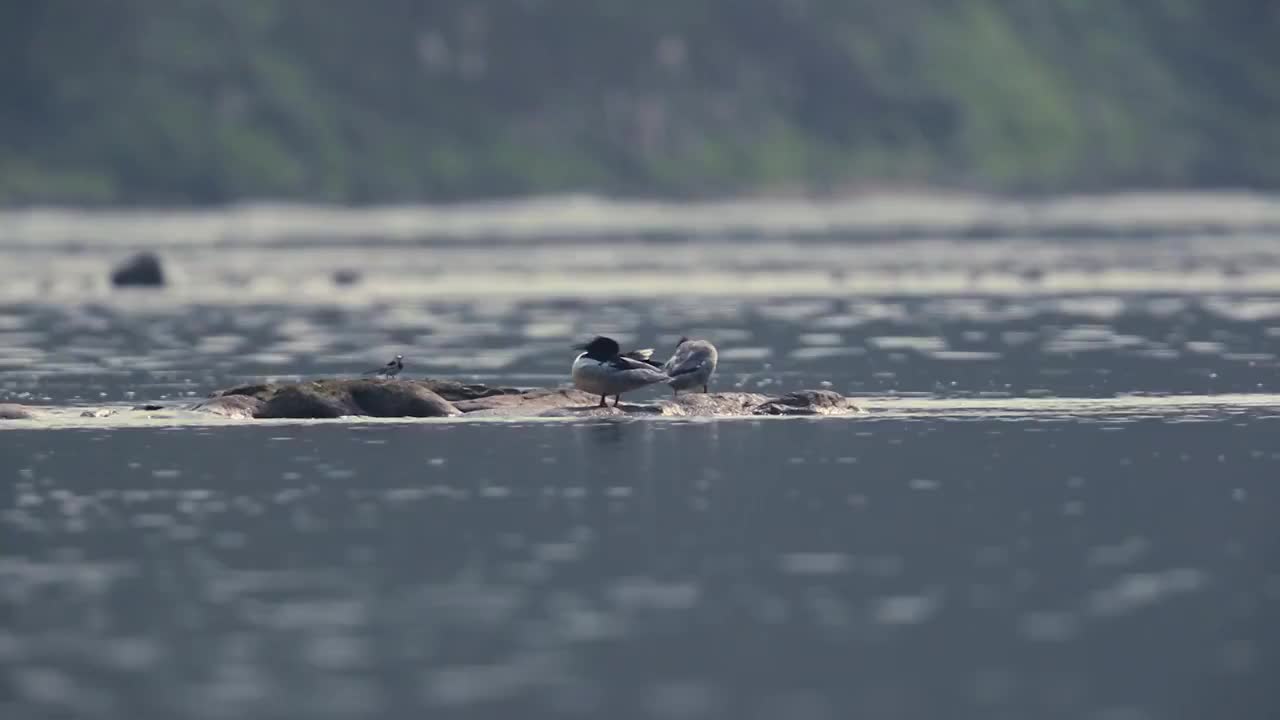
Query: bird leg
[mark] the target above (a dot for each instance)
(601, 401)
(617, 399)
(704, 388)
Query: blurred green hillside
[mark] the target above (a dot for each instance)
(200, 101)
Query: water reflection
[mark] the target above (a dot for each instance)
(638, 569)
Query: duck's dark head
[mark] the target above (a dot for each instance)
(601, 348)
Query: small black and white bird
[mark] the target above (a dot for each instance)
(603, 369)
(691, 365)
(391, 369)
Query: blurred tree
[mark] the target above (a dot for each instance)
(195, 101)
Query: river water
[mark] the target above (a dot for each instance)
(1061, 503)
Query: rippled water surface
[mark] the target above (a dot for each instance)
(1061, 504)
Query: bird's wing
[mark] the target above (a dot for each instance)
(678, 359)
(689, 359)
(391, 364)
(643, 355)
(624, 362)
(627, 364)
(691, 365)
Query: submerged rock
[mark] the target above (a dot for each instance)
(141, 270)
(11, 411)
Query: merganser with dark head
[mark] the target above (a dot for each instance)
(391, 369)
(603, 369)
(691, 365)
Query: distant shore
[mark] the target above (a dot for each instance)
(872, 215)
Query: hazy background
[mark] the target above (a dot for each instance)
(190, 101)
(1060, 504)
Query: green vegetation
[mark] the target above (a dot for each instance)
(200, 101)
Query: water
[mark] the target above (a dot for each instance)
(1060, 505)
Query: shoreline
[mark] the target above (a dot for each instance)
(876, 214)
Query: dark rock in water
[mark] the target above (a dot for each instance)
(345, 277)
(456, 392)
(565, 402)
(575, 403)
(336, 398)
(147, 407)
(714, 404)
(594, 410)
(261, 391)
(430, 398)
(305, 401)
(448, 389)
(808, 402)
(528, 403)
(399, 399)
(10, 411)
(240, 407)
(551, 402)
(141, 270)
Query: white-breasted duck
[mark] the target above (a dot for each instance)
(603, 369)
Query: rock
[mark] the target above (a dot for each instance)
(448, 389)
(594, 410)
(305, 401)
(529, 403)
(10, 411)
(553, 402)
(336, 398)
(141, 270)
(430, 398)
(808, 402)
(98, 413)
(714, 404)
(454, 391)
(240, 407)
(399, 399)
(345, 277)
(261, 391)
(565, 402)
(148, 407)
